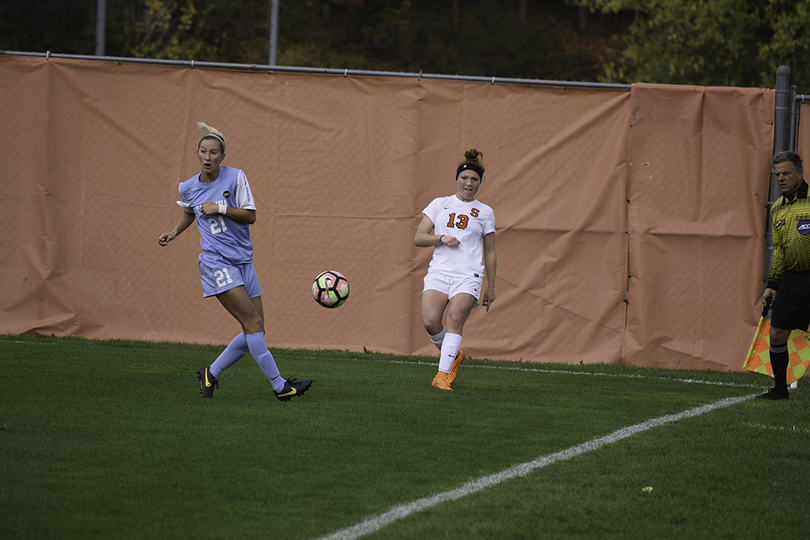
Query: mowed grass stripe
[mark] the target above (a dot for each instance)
(587, 370)
(111, 440)
(376, 523)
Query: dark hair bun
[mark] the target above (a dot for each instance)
(472, 155)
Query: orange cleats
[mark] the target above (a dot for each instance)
(451, 377)
(441, 381)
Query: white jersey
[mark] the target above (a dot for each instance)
(469, 222)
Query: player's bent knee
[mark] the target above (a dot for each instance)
(252, 325)
(433, 326)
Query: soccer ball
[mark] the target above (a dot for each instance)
(330, 289)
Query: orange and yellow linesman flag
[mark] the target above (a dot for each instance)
(798, 352)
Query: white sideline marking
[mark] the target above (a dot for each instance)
(511, 368)
(375, 523)
(593, 373)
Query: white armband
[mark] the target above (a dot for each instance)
(223, 208)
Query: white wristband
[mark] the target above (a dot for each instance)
(223, 208)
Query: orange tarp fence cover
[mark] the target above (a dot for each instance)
(630, 222)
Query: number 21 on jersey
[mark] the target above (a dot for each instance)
(217, 224)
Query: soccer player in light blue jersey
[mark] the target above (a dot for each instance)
(220, 201)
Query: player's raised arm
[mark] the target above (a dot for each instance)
(424, 234)
(426, 238)
(182, 224)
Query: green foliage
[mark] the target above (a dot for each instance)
(202, 30)
(465, 37)
(710, 42)
(170, 31)
(48, 25)
(703, 42)
(790, 44)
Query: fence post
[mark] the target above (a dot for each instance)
(101, 26)
(273, 16)
(794, 120)
(780, 123)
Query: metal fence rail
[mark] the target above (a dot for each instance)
(324, 71)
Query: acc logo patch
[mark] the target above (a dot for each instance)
(226, 194)
(803, 227)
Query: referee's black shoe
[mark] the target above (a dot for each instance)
(293, 388)
(774, 394)
(207, 382)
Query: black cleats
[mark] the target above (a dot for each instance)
(774, 394)
(207, 382)
(293, 388)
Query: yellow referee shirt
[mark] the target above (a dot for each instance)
(790, 222)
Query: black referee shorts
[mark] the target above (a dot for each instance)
(791, 307)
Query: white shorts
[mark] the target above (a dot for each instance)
(452, 285)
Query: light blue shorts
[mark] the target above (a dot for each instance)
(224, 276)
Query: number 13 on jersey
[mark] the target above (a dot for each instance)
(462, 220)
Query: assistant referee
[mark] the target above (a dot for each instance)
(790, 269)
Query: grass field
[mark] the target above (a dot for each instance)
(110, 439)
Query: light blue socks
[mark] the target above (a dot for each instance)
(235, 350)
(264, 358)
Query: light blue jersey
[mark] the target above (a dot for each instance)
(221, 238)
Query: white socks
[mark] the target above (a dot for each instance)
(438, 338)
(450, 347)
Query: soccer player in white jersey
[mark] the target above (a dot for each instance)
(220, 201)
(462, 232)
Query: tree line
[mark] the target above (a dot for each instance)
(703, 42)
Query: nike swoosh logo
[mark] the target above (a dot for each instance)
(290, 393)
(207, 382)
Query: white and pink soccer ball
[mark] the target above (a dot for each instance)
(330, 289)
